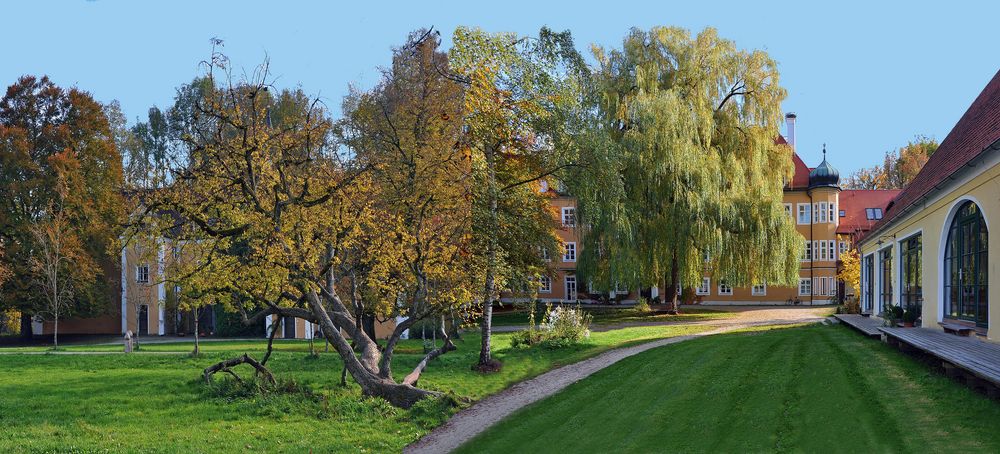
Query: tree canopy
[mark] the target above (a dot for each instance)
(898, 167)
(681, 164)
(57, 149)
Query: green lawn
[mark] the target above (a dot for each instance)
(607, 316)
(148, 402)
(806, 389)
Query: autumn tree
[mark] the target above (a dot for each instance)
(409, 130)
(516, 87)
(850, 270)
(681, 163)
(51, 135)
(256, 202)
(898, 167)
(59, 261)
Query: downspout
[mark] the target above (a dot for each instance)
(812, 257)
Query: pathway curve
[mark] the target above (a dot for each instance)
(468, 423)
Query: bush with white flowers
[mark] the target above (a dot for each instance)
(563, 326)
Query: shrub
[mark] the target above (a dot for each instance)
(563, 327)
(641, 306)
(911, 313)
(851, 306)
(892, 314)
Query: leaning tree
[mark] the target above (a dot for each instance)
(264, 208)
(682, 170)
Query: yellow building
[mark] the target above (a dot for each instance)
(932, 247)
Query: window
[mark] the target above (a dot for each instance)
(570, 252)
(819, 247)
(878, 213)
(830, 210)
(805, 287)
(842, 213)
(569, 217)
(570, 282)
(759, 290)
(885, 277)
(703, 289)
(804, 214)
(831, 247)
(788, 210)
(807, 251)
(725, 289)
(843, 248)
(910, 286)
(824, 286)
(873, 214)
(821, 212)
(868, 283)
(965, 265)
(545, 284)
(545, 255)
(142, 274)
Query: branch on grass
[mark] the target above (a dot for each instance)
(225, 366)
(412, 378)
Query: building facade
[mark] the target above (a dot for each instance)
(932, 249)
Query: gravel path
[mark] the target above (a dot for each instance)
(468, 423)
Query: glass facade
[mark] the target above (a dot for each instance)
(910, 273)
(965, 265)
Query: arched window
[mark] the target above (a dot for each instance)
(965, 267)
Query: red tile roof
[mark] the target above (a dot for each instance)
(801, 178)
(978, 128)
(854, 202)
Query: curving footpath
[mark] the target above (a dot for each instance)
(468, 423)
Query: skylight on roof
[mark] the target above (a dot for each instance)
(873, 214)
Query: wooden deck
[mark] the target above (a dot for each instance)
(868, 326)
(975, 360)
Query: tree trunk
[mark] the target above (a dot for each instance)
(489, 287)
(399, 395)
(25, 326)
(55, 333)
(368, 325)
(674, 277)
(197, 350)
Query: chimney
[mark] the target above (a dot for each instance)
(790, 123)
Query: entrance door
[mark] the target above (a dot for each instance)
(143, 320)
(289, 323)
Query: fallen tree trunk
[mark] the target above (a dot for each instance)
(227, 365)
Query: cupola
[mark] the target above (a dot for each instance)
(824, 175)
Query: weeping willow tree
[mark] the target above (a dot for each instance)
(683, 174)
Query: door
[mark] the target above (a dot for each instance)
(289, 325)
(143, 320)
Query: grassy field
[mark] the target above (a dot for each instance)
(807, 389)
(605, 316)
(158, 403)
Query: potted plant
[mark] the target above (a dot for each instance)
(892, 314)
(910, 315)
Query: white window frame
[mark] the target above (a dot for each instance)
(725, 289)
(545, 254)
(570, 295)
(802, 290)
(832, 212)
(705, 288)
(819, 251)
(759, 290)
(789, 211)
(821, 209)
(803, 214)
(544, 284)
(569, 251)
(807, 252)
(569, 216)
(843, 248)
(142, 273)
(832, 250)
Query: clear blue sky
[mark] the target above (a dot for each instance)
(863, 77)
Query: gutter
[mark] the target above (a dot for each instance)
(934, 190)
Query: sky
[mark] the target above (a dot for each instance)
(863, 77)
